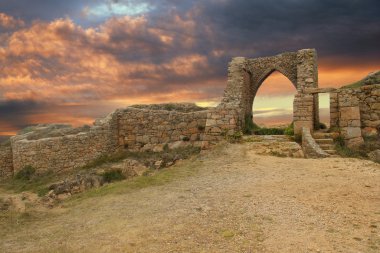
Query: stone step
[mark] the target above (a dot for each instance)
(319, 135)
(327, 146)
(325, 141)
(330, 152)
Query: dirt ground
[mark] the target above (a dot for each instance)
(234, 201)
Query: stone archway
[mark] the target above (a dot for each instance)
(245, 77)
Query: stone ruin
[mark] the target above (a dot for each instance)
(354, 112)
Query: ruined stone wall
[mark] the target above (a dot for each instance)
(6, 162)
(63, 153)
(369, 104)
(356, 111)
(222, 121)
(245, 77)
(141, 129)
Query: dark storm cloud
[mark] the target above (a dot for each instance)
(342, 28)
(15, 113)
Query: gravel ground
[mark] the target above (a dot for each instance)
(237, 201)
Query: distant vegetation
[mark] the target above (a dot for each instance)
(372, 78)
(252, 128)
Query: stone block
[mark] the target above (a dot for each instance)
(349, 113)
(352, 132)
(369, 132)
(298, 125)
(354, 142)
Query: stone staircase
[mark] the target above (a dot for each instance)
(326, 142)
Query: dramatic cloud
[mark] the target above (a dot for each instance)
(8, 22)
(103, 54)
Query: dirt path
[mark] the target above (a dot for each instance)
(236, 202)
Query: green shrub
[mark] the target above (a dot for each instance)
(26, 173)
(339, 141)
(269, 131)
(289, 130)
(249, 125)
(113, 175)
(236, 137)
(185, 138)
(344, 151)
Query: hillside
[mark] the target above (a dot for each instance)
(372, 78)
(229, 199)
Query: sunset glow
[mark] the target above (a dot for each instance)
(74, 61)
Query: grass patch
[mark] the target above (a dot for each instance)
(370, 144)
(147, 158)
(27, 180)
(37, 183)
(25, 173)
(155, 178)
(252, 128)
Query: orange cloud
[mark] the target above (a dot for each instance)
(10, 22)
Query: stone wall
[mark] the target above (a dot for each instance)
(356, 112)
(62, 153)
(6, 162)
(222, 121)
(369, 104)
(142, 129)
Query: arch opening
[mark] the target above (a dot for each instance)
(272, 103)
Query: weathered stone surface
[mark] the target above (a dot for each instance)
(275, 145)
(310, 148)
(350, 113)
(358, 112)
(6, 161)
(369, 132)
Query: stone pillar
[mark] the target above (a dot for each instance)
(349, 119)
(303, 108)
(307, 77)
(236, 98)
(233, 92)
(334, 110)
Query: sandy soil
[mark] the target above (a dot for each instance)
(237, 201)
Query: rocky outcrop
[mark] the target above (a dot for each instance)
(275, 145)
(128, 168)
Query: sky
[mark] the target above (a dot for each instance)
(76, 60)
